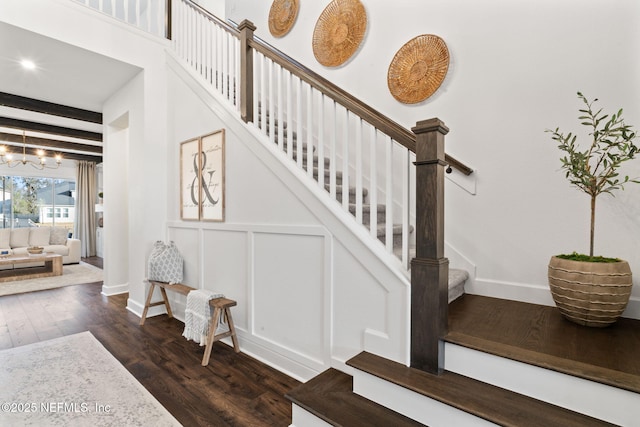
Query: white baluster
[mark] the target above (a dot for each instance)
(219, 33)
(373, 183)
(345, 161)
(309, 130)
(126, 11)
(269, 111)
(237, 74)
(199, 50)
(208, 50)
(226, 63)
(320, 141)
(278, 110)
(332, 151)
(289, 118)
(389, 194)
(358, 170)
(159, 16)
(406, 211)
(263, 95)
(256, 86)
(300, 140)
(188, 28)
(136, 12)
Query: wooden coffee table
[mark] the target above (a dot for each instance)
(52, 267)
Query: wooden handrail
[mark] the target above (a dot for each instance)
(225, 26)
(396, 131)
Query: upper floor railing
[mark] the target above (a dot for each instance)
(152, 16)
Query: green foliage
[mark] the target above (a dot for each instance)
(595, 169)
(25, 194)
(586, 258)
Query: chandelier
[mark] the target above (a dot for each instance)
(6, 158)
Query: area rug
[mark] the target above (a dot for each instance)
(72, 274)
(73, 381)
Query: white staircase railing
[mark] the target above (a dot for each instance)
(360, 166)
(147, 15)
(363, 160)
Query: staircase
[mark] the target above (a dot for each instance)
(457, 277)
(508, 363)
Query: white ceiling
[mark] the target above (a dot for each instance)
(64, 74)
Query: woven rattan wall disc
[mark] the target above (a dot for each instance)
(339, 32)
(282, 15)
(418, 69)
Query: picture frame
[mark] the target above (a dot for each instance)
(212, 180)
(190, 178)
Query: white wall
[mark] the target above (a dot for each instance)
(310, 294)
(216, 7)
(514, 72)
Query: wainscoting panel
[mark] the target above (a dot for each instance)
(369, 308)
(288, 292)
(186, 239)
(225, 269)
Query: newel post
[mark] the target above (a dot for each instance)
(246, 29)
(429, 269)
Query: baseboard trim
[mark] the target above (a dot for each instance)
(533, 294)
(115, 290)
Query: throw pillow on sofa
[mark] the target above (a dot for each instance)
(39, 236)
(19, 237)
(58, 236)
(5, 238)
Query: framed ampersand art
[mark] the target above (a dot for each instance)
(202, 178)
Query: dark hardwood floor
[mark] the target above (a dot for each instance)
(95, 261)
(233, 390)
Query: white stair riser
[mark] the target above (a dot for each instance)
(587, 397)
(302, 418)
(413, 405)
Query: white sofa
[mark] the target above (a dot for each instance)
(15, 241)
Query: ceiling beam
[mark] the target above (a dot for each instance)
(65, 156)
(45, 128)
(16, 140)
(23, 103)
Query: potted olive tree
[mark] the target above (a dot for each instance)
(587, 289)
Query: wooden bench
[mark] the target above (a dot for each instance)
(221, 307)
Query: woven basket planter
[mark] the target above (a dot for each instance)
(590, 293)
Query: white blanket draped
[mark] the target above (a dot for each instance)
(198, 315)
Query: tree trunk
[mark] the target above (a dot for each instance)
(593, 223)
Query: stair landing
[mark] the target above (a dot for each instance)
(540, 336)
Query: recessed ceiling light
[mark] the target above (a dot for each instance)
(28, 64)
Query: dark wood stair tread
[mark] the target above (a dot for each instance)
(540, 336)
(495, 404)
(330, 396)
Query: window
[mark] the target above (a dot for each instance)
(35, 201)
